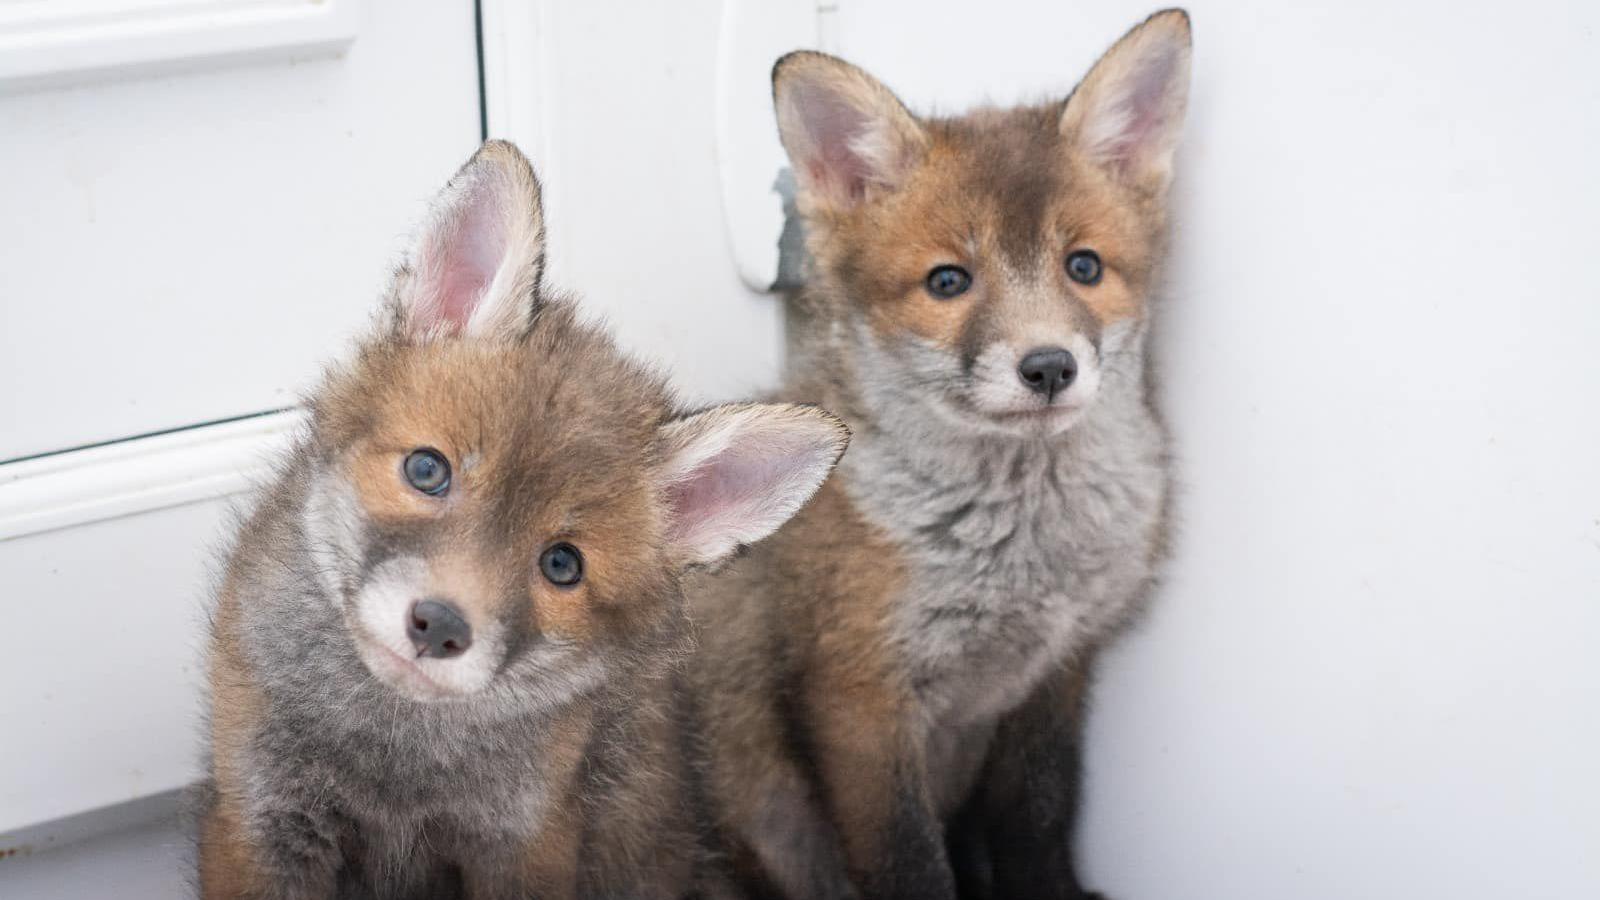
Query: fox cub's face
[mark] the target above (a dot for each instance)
(990, 266)
(501, 501)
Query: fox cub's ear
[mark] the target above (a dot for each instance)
(733, 474)
(846, 133)
(476, 265)
(1126, 115)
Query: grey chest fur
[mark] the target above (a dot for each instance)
(1021, 551)
(401, 786)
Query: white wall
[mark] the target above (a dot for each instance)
(616, 105)
(1372, 673)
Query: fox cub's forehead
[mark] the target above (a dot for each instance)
(997, 145)
(515, 405)
(1000, 150)
(1006, 182)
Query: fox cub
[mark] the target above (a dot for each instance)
(444, 661)
(895, 683)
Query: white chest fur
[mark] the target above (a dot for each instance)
(1021, 552)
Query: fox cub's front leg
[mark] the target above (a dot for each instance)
(1018, 826)
(874, 776)
(263, 855)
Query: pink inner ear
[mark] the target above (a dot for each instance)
(833, 126)
(725, 497)
(1142, 107)
(464, 259)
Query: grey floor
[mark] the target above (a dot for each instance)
(146, 862)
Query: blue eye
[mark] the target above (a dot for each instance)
(562, 564)
(428, 471)
(1084, 267)
(948, 281)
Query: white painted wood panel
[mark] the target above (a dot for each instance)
(49, 42)
(187, 248)
(103, 661)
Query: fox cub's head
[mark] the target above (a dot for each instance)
(990, 266)
(499, 498)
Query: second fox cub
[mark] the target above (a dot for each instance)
(443, 656)
(895, 682)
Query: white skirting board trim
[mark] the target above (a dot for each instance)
(141, 475)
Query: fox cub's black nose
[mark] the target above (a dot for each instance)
(438, 630)
(1048, 370)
